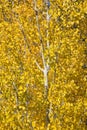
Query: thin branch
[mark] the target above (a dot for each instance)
(42, 47)
(22, 30)
(42, 54)
(47, 32)
(39, 66)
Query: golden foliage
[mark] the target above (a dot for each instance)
(22, 101)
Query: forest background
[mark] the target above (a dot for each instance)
(43, 65)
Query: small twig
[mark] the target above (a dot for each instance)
(39, 66)
(40, 36)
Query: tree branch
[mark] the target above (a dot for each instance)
(38, 27)
(39, 66)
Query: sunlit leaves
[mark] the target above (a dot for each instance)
(22, 101)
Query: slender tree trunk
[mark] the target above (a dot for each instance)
(46, 66)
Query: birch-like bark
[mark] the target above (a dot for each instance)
(45, 65)
(45, 69)
(48, 110)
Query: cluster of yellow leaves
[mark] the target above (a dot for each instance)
(22, 102)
